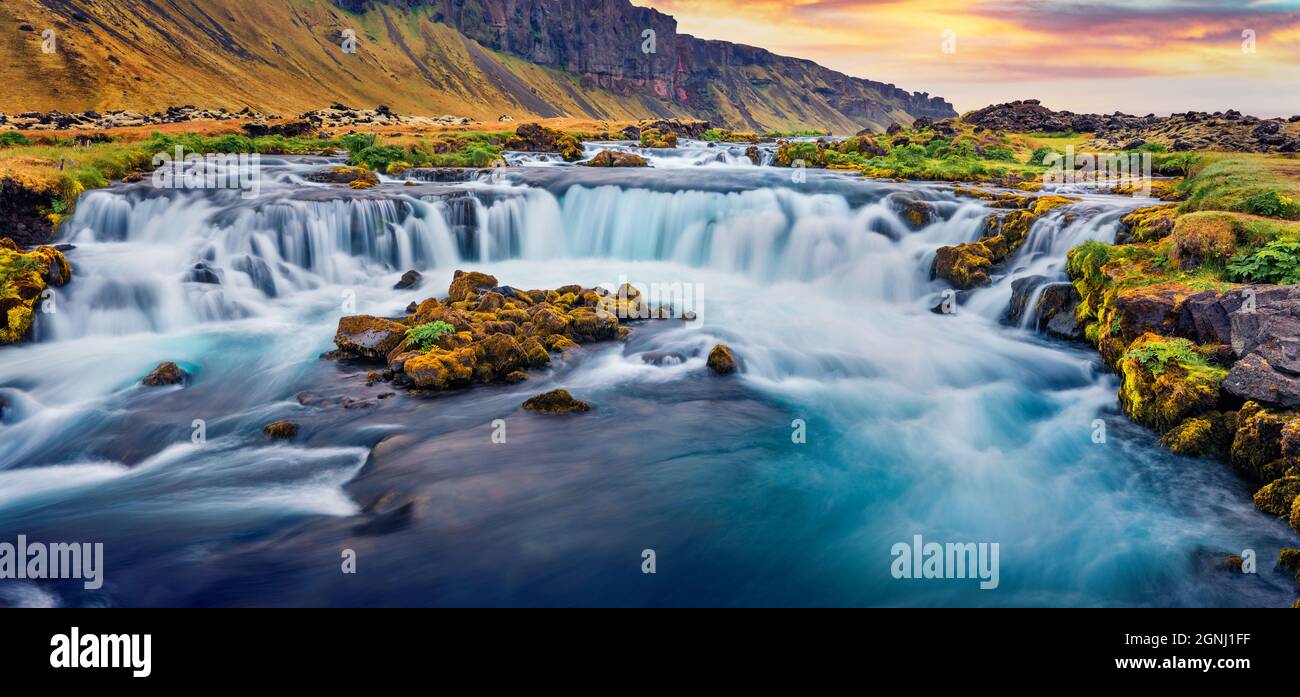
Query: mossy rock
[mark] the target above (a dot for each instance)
(1289, 559)
(556, 402)
(496, 356)
(721, 360)
(366, 336)
(1277, 497)
(165, 374)
(440, 369)
(1165, 381)
(24, 279)
(1149, 224)
(1208, 435)
(281, 430)
(1257, 445)
(615, 158)
(1203, 238)
(467, 285)
(965, 266)
(1045, 204)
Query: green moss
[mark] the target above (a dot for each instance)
(1166, 381)
(1257, 445)
(1277, 497)
(1208, 435)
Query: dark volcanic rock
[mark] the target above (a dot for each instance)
(1252, 378)
(1053, 309)
(1262, 326)
(410, 279)
(21, 218)
(289, 129)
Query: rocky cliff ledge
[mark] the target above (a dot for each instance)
(602, 41)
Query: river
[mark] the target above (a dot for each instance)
(950, 426)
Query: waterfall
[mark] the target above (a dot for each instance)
(153, 261)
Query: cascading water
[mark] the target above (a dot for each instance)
(950, 426)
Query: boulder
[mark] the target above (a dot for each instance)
(1254, 378)
(721, 360)
(355, 177)
(409, 280)
(965, 266)
(915, 212)
(1206, 435)
(533, 137)
(1156, 308)
(281, 430)
(1163, 382)
(258, 271)
(556, 402)
(616, 158)
(1277, 497)
(1257, 445)
(496, 356)
(165, 374)
(365, 336)
(467, 285)
(593, 325)
(440, 369)
(1054, 306)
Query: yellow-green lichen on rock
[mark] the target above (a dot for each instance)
(1206, 435)
(1165, 381)
(24, 279)
(1278, 497)
(1150, 224)
(1257, 445)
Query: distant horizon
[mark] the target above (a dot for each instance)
(1140, 57)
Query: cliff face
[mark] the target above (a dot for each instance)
(475, 58)
(603, 41)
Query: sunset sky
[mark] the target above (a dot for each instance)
(1137, 56)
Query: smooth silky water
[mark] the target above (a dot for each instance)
(954, 427)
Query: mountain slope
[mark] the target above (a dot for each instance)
(476, 58)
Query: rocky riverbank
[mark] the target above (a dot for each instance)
(1206, 358)
(1209, 364)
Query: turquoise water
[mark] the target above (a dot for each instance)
(956, 428)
